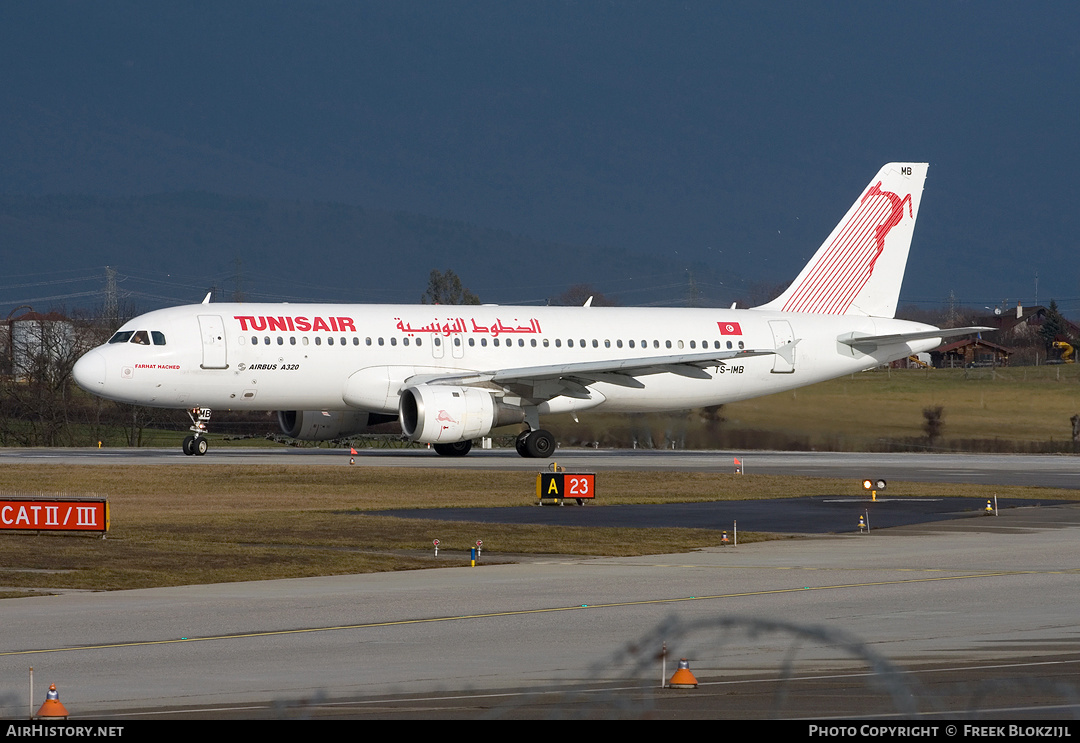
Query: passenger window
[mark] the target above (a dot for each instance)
(367, 340)
(266, 339)
(532, 341)
(356, 340)
(728, 344)
(483, 342)
(292, 340)
(418, 342)
(631, 344)
(693, 344)
(158, 337)
(254, 340)
(318, 340)
(595, 343)
(393, 341)
(546, 343)
(280, 341)
(569, 342)
(405, 341)
(304, 340)
(472, 341)
(521, 342)
(330, 341)
(495, 342)
(558, 343)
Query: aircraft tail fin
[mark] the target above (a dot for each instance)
(858, 270)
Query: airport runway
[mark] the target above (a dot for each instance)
(979, 615)
(1059, 471)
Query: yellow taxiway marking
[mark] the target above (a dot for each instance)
(526, 612)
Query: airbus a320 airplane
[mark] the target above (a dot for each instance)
(450, 374)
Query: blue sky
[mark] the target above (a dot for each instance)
(733, 134)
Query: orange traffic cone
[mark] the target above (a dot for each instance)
(683, 679)
(52, 706)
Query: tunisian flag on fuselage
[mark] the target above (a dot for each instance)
(729, 328)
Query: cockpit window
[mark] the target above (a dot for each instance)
(141, 337)
(122, 337)
(158, 336)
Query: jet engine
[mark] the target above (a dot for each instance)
(320, 425)
(435, 414)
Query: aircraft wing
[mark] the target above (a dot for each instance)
(871, 342)
(571, 380)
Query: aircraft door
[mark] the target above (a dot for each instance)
(212, 330)
(783, 362)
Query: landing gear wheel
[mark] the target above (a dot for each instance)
(540, 444)
(519, 443)
(199, 446)
(457, 449)
(189, 445)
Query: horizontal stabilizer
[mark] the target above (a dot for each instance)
(871, 342)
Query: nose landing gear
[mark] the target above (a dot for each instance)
(197, 444)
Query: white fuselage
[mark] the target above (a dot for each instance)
(452, 373)
(358, 357)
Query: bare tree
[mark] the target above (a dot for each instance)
(933, 423)
(446, 288)
(35, 403)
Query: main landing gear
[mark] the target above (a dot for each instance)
(197, 444)
(538, 444)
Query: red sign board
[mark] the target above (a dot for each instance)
(565, 485)
(54, 515)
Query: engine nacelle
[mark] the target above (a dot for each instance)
(433, 414)
(319, 425)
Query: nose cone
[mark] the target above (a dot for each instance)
(89, 372)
